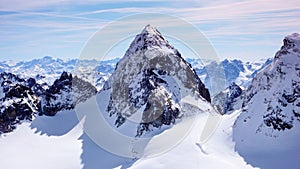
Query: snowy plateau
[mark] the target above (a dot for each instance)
(65, 114)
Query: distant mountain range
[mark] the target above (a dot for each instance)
(47, 69)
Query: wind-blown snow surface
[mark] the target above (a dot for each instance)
(59, 142)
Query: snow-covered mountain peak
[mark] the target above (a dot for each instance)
(152, 78)
(279, 80)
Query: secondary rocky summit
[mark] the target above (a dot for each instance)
(22, 99)
(270, 112)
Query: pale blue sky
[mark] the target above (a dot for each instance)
(248, 30)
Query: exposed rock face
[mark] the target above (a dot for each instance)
(65, 93)
(17, 103)
(225, 100)
(152, 77)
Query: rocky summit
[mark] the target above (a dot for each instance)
(65, 93)
(152, 78)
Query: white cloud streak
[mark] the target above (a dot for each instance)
(218, 20)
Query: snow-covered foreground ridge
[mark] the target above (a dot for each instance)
(267, 132)
(50, 142)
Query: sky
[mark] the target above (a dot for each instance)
(247, 30)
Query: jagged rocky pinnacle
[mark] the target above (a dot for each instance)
(225, 100)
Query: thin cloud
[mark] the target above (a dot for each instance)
(222, 21)
(17, 5)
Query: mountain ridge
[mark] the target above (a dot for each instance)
(269, 113)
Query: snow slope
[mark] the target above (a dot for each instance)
(217, 152)
(50, 142)
(27, 147)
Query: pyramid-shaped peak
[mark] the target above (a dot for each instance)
(149, 83)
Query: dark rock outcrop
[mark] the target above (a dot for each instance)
(18, 103)
(23, 99)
